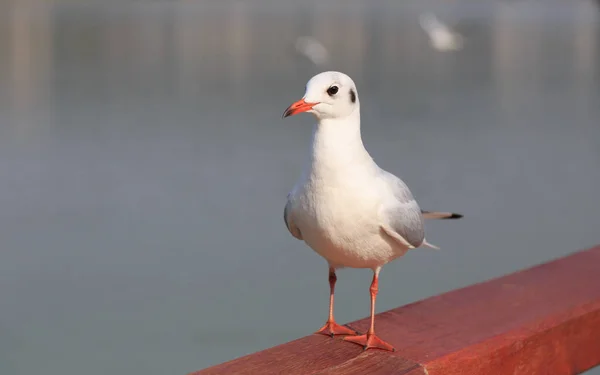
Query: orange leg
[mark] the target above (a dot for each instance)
(331, 328)
(370, 340)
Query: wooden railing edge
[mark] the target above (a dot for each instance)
(544, 319)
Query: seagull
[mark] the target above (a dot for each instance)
(441, 37)
(312, 49)
(345, 207)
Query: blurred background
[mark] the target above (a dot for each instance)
(144, 165)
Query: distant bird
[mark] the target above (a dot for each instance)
(347, 209)
(312, 49)
(441, 37)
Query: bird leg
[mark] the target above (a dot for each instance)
(331, 328)
(370, 340)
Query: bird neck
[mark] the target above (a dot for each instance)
(337, 144)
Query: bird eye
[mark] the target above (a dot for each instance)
(332, 90)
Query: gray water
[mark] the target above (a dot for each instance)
(144, 166)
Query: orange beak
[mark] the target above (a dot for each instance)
(298, 107)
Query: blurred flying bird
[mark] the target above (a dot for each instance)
(312, 49)
(441, 37)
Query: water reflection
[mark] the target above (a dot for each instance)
(201, 45)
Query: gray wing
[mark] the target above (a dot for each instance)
(289, 223)
(403, 214)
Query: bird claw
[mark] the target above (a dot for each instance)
(370, 341)
(331, 328)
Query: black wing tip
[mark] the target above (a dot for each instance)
(452, 215)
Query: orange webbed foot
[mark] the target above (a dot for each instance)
(331, 328)
(370, 341)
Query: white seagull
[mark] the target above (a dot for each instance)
(441, 37)
(313, 50)
(347, 209)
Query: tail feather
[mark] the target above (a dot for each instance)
(427, 244)
(440, 215)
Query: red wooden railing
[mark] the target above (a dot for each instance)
(543, 320)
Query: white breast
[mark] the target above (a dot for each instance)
(338, 217)
(337, 202)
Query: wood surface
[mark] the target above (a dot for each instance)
(543, 320)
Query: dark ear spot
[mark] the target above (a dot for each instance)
(352, 96)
